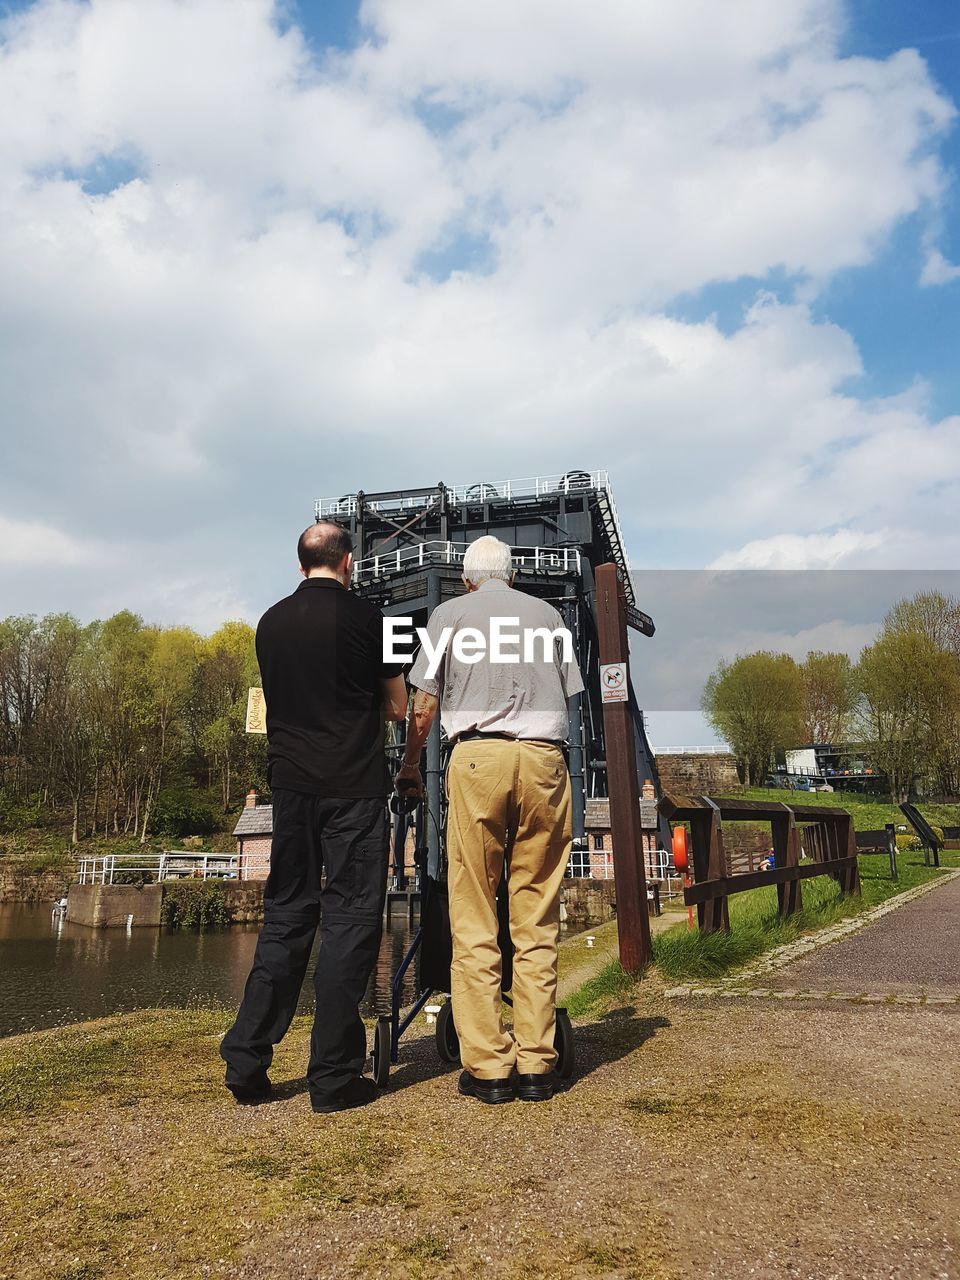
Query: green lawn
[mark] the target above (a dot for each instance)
(870, 813)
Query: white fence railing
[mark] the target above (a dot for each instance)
(597, 864)
(113, 868)
(478, 491)
(537, 559)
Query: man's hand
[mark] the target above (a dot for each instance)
(409, 781)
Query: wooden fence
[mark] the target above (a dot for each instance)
(827, 834)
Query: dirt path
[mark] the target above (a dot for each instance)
(914, 950)
(702, 1139)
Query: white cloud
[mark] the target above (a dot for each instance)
(246, 321)
(793, 551)
(32, 543)
(937, 270)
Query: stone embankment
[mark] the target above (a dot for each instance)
(20, 884)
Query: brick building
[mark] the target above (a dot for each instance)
(600, 842)
(254, 834)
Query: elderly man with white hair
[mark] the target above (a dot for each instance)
(509, 800)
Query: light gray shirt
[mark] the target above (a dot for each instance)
(526, 698)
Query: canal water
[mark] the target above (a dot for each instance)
(52, 972)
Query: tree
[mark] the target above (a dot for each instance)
(170, 674)
(910, 691)
(227, 667)
(756, 703)
(829, 696)
(930, 614)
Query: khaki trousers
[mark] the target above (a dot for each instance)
(506, 798)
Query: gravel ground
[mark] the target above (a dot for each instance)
(914, 950)
(702, 1139)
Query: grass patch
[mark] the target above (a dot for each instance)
(755, 927)
(869, 812)
(118, 1060)
(413, 1259)
(633, 1262)
(608, 985)
(350, 1168)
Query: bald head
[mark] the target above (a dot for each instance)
(323, 546)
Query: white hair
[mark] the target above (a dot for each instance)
(488, 557)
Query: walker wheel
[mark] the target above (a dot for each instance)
(381, 1051)
(448, 1042)
(563, 1043)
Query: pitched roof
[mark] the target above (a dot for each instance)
(256, 821)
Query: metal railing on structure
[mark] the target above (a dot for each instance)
(113, 868)
(478, 491)
(597, 864)
(534, 559)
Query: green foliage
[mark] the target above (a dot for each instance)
(18, 812)
(901, 701)
(911, 700)
(609, 984)
(756, 703)
(829, 696)
(182, 811)
(121, 724)
(133, 877)
(194, 904)
(869, 812)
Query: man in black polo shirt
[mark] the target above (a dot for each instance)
(328, 693)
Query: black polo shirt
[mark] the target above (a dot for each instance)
(321, 659)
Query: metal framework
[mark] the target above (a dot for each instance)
(409, 548)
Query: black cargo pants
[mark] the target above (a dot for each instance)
(328, 867)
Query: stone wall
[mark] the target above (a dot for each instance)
(104, 906)
(18, 885)
(584, 903)
(244, 899)
(697, 774)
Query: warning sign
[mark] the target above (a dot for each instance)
(613, 682)
(256, 711)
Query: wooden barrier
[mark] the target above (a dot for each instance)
(832, 848)
(880, 842)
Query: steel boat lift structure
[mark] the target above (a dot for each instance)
(409, 548)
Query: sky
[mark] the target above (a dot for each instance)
(256, 253)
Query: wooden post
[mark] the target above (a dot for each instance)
(786, 853)
(633, 925)
(714, 916)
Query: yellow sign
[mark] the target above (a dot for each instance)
(256, 711)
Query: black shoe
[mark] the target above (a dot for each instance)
(257, 1090)
(536, 1088)
(485, 1090)
(355, 1093)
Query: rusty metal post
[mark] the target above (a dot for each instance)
(633, 925)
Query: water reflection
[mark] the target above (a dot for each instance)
(53, 972)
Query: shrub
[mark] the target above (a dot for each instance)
(182, 812)
(908, 842)
(18, 812)
(138, 878)
(194, 904)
